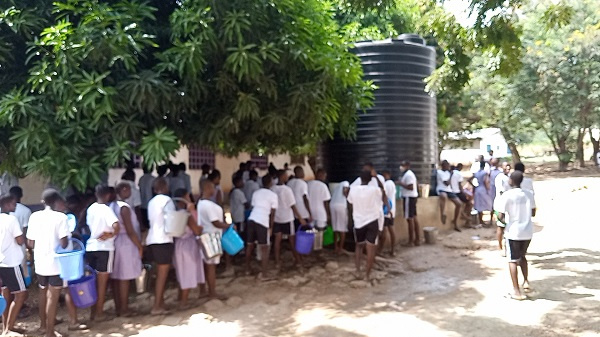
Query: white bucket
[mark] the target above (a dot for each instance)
(175, 222)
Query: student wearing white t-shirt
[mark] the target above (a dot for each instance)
(318, 198)
(502, 184)
(366, 206)
(47, 230)
(444, 191)
(251, 185)
(388, 224)
(100, 247)
(260, 224)
(286, 212)
(160, 245)
(339, 215)
(11, 257)
(210, 218)
(239, 204)
(300, 189)
(371, 168)
(516, 208)
(410, 195)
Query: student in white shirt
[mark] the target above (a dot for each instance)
(146, 193)
(502, 184)
(251, 185)
(100, 247)
(339, 215)
(388, 224)
(285, 214)
(159, 243)
(367, 204)
(410, 195)
(11, 257)
(319, 197)
(516, 209)
(260, 225)
(239, 204)
(48, 229)
(22, 212)
(527, 183)
(210, 218)
(300, 189)
(444, 191)
(371, 168)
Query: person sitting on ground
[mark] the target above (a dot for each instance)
(285, 214)
(444, 191)
(410, 195)
(516, 208)
(366, 204)
(160, 245)
(188, 259)
(47, 230)
(318, 198)
(11, 258)
(339, 215)
(260, 226)
(300, 189)
(100, 247)
(128, 249)
(210, 218)
(388, 225)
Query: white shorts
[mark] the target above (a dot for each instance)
(339, 218)
(320, 224)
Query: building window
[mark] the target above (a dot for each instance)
(261, 162)
(134, 161)
(200, 155)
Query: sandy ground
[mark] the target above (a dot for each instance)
(456, 287)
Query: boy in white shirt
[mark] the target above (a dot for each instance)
(285, 214)
(390, 191)
(300, 189)
(100, 247)
(410, 195)
(210, 217)
(516, 208)
(239, 204)
(48, 229)
(160, 245)
(502, 183)
(339, 215)
(251, 185)
(22, 213)
(11, 257)
(319, 197)
(367, 204)
(260, 225)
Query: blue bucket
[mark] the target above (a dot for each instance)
(231, 241)
(2, 304)
(28, 277)
(387, 208)
(83, 291)
(304, 242)
(71, 261)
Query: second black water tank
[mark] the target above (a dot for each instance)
(402, 124)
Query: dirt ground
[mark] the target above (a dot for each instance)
(456, 287)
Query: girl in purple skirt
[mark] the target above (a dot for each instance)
(187, 259)
(128, 250)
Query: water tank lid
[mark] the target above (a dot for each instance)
(411, 38)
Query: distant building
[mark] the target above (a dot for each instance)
(465, 147)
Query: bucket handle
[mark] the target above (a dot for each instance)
(73, 240)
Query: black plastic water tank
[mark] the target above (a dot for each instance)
(402, 124)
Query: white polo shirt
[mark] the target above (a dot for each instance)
(338, 197)
(318, 193)
(373, 182)
(100, 218)
(367, 204)
(263, 201)
(156, 216)
(517, 205)
(46, 228)
(409, 178)
(441, 177)
(209, 212)
(300, 189)
(11, 253)
(455, 181)
(285, 201)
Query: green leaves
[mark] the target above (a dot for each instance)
(158, 145)
(242, 62)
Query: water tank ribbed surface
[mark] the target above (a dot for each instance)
(402, 125)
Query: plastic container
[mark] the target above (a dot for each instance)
(83, 290)
(141, 282)
(27, 275)
(71, 261)
(176, 222)
(211, 245)
(231, 241)
(388, 207)
(304, 242)
(2, 304)
(328, 237)
(318, 242)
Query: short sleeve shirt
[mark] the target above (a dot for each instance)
(250, 187)
(100, 218)
(517, 205)
(209, 212)
(409, 178)
(237, 200)
(145, 184)
(135, 200)
(318, 193)
(46, 228)
(390, 193)
(22, 213)
(300, 189)
(263, 201)
(455, 181)
(156, 216)
(367, 204)
(11, 253)
(338, 197)
(441, 177)
(285, 201)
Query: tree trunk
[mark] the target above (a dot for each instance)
(579, 153)
(516, 156)
(595, 144)
(563, 154)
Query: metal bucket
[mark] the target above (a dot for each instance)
(430, 234)
(211, 245)
(176, 222)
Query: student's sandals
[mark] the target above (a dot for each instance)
(516, 297)
(77, 327)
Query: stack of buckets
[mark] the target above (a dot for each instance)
(81, 287)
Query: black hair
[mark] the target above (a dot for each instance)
(161, 170)
(214, 174)
(267, 180)
(51, 196)
(180, 193)
(242, 166)
(237, 178)
(205, 168)
(281, 173)
(6, 198)
(369, 164)
(481, 165)
(520, 167)
(253, 174)
(517, 178)
(297, 169)
(129, 174)
(121, 185)
(102, 190)
(148, 168)
(182, 167)
(388, 172)
(17, 192)
(405, 163)
(365, 176)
